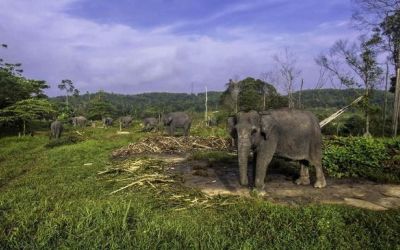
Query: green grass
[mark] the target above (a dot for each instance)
(50, 199)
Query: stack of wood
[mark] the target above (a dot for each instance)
(159, 144)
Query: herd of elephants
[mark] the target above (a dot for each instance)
(288, 133)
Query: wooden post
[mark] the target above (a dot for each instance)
(206, 106)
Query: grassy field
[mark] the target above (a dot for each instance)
(51, 199)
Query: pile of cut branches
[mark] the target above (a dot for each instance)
(160, 144)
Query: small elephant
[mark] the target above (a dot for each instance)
(150, 123)
(126, 121)
(230, 124)
(107, 122)
(175, 120)
(79, 121)
(56, 129)
(292, 134)
(212, 122)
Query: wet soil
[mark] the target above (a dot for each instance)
(221, 178)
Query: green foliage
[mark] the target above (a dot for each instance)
(364, 157)
(251, 96)
(98, 108)
(27, 110)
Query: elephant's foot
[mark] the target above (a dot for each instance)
(258, 192)
(244, 182)
(320, 183)
(303, 181)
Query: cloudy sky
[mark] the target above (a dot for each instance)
(134, 46)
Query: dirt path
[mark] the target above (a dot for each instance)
(215, 179)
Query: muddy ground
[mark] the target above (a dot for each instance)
(214, 178)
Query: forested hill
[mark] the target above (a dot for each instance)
(327, 98)
(164, 102)
(150, 102)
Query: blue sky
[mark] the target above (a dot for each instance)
(130, 46)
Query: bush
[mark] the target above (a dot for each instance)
(370, 158)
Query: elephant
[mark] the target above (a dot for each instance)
(244, 129)
(150, 123)
(176, 120)
(126, 121)
(107, 122)
(230, 124)
(212, 122)
(291, 134)
(56, 129)
(79, 121)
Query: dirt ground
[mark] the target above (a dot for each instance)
(214, 178)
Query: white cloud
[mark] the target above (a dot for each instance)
(53, 45)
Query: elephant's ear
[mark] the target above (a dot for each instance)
(268, 125)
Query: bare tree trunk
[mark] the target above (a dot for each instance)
(264, 101)
(367, 116)
(396, 105)
(301, 90)
(396, 109)
(67, 100)
(24, 128)
(385, 101)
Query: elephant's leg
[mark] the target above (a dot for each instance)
(265, 153)
(320, 182)
(254, 167)
(304, 178)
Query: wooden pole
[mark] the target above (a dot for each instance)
(206, 106)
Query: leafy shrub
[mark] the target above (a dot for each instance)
(368, 158)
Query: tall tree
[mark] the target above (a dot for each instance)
(69, 88)
(383, 18)
(253, 94)
(14, 87)
(26, 111)
(355, 65)
(288, 72)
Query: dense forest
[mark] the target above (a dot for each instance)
(141, 105)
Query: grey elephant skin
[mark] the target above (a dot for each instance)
(149, 124)
(291, 134)
(56, 129)
(126, 121)
(79, 121)
(230, 125)
(175, 120)
(107, 122)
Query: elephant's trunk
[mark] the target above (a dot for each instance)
(243, 155)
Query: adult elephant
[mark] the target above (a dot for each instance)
(150, 123)
(56, 129)
(292, 134)
(107, 122)
(175, 120)
(126, 121)
(79, 121)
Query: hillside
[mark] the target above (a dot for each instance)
(153, 103)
